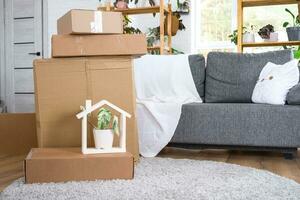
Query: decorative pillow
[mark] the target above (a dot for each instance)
(293, 97)
(274, 83)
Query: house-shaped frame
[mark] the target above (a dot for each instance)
(88, 109)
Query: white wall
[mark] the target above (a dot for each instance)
(54, 9)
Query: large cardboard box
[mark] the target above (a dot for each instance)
(68, 164)
(98, 45)
(90, 22)
(62, 85)
(17, 133)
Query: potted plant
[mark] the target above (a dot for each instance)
(268, 34)
(248, 37)
(293, 30)
(105, 130)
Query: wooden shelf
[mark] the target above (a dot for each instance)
(268, 44)
(156, 48)
(162, 9)
(142, 10)
(153, 48)
(252, 3)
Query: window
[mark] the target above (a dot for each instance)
(214, 20)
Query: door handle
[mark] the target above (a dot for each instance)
(35, 54)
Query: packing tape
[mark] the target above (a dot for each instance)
(96, 25)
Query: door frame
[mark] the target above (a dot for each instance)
(8, 37)
(2, 46)
(8, 76)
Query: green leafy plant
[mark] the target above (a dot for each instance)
(295, 20)
(128, 29)
(234, 35)
(104, 117)
(104, 120)
(296, 51)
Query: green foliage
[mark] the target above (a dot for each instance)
(295, 20)
(234, 36)
(296, 51)
(104, 120)
(128, 29)
(115, 125)
(104, 117)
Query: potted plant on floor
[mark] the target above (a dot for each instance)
(105, 130)
(293, 30)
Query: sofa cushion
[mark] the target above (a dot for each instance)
(293, 97)
(274, 83)
(231, 77)
(239, 124)
(197, 65)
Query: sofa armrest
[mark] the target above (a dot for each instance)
(293, 97)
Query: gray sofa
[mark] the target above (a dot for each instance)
(228, 118)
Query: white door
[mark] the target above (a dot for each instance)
(23, 37)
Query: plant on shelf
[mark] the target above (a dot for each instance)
(265, 32)
(268, 33)
(293, 29)
(122, 4)
(248, 35)
(127, 28)
(105, 129)
(234, 36)
(183, 6)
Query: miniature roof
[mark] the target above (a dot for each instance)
(100, 104)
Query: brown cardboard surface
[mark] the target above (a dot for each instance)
(78, 21)
(69, 164)
(17, 133)
(62, 85)
(97, 45)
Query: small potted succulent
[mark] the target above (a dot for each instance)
(105, 130)
(268, 33)
(293, 30)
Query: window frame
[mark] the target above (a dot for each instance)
(197, 45)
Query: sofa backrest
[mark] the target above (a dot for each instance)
(197, 65)
(231, 77)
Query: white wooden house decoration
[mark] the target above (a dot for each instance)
(88, 109)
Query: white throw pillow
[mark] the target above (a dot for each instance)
(274, 83)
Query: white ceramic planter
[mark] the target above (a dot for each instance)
(248, 38)
(273, 37)
(103, 138)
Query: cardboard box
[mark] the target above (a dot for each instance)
(62, 85)
(90, 22)
(17, 133)
(69, 164)
(98, 45)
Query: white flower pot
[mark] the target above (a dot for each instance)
(273, 37)
(248, 38)
(103, 138)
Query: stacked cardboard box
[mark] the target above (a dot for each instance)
(96, 66)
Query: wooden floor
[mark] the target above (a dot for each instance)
(11, 167)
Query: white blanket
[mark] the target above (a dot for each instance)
(163, 85)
